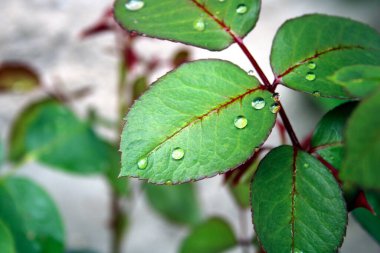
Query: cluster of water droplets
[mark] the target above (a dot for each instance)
(311, 76)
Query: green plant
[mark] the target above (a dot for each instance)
(209, 116)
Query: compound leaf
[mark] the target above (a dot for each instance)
(195, 122)
(308, 50)
(31, 216)
(206, 24)
(297, 204)
(212, 236)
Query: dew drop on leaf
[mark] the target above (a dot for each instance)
(310, 76)
(240, 122)
(316, 93)
(199, 25)
(134, 5)
(258, 103)
(312, 65)
(276, 97)
(275, 107)
(241, 9)
(168, 182)
(178, 153)
(221, 1)
(297, 251)
(142, 163)
(306, 165)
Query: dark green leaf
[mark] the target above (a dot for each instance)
(308, 50)
(212, 236)
(31, 216)
(183, 127)
(297, 204)
(361, 162)
(7, 244)
(328, 136)
(17, 77)
(370, 222)
(361, 80)
(189, 21)
(140, 85)
(177, 203)
(50, 133)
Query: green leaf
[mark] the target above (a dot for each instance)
(189, 21)
(370, 222)
(327, 138)
(31, 216)
(17, 77)
(183, 127)
(50, 133)
(297, 204)
(308, 50)
(6, 240)
(361, 159)
(212, 236)
(140, 85)
(177, 203)
(361, 80)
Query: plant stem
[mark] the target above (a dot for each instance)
(289, 128)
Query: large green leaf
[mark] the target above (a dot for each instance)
(31, 216)
(327, 138)
(212, 236)
(50, 133)
(370, 222)
(195, 122)
(362, 160)
(177, 203)
(307, 50)
(7, 244)
(360, 79)
(206, 24)
(297, 204)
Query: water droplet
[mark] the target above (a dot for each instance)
(241, 122)
(276, 97)
(306, 165)
(142, 163)
(312, 65)
(275, 107)
(258, 103)
(241, 9)
(168, 182)
(316, 93)
(222, 1)
(199, 25)
(134, 5)
(251, 72)
(297, 250)
(178, 153)
(310, 76)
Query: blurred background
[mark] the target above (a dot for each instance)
(83, 70)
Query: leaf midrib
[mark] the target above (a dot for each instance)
(293, 195)
(197, 119)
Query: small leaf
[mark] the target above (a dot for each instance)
(308, 50)
(361, 80)
(370, 222)
(208, 25)
(177, 203)
(361, 159)
(140, 85)
(7, 244)
(50, 133)
(195, 122)
(327, 138)
(212, 236)
(297, 204)
(17, 77)
(31, 216)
